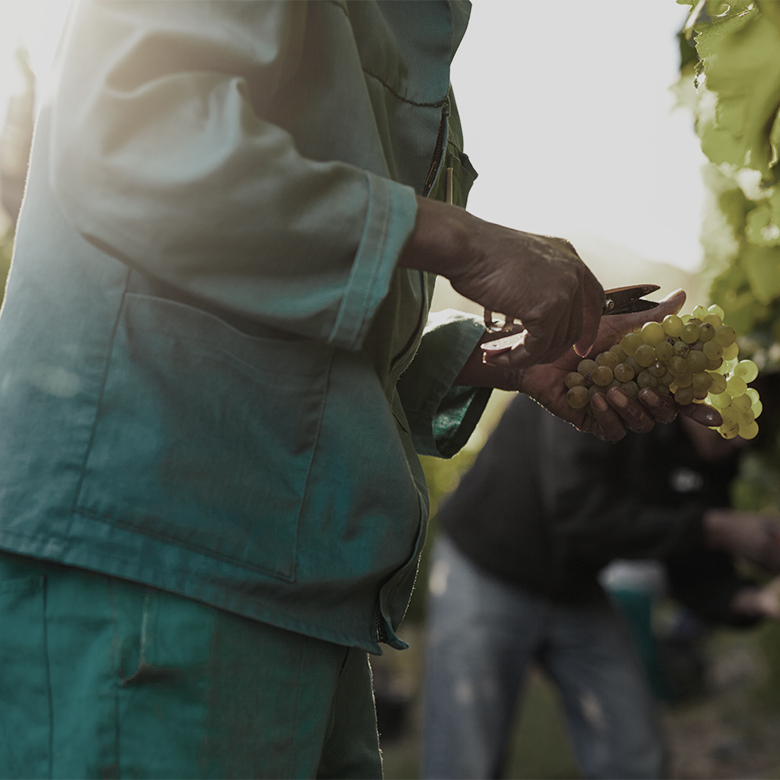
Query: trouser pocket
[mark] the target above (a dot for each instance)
(24, 691)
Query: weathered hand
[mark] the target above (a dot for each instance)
(616, 412)
(538, 280)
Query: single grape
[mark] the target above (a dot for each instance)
(752, 393)
(706, 332)
(742, 403)
(657, 369)
(602, 376)
(735, 386)
(731, 351)
(681, 349)
(677, 366)
(745, 418)
(716, 311)
(714, 365)
(714, 320)
(702, 381)
(747, 369)
(586, 366)
(729, 431)
(683, 396)
(689, 333)
(718, 383)
(577, 397)
(645, 355)
(697, 361)
(757, 407)
(725, 335)
(609, 359)
(630, 343)
(729, 415)
(652, 333)
(713, 350)
(646, 379)
(672, 325)
(574, 379)
(616, 348)
(623, 372)
(699, 312)
(664, 350)
(749, 431)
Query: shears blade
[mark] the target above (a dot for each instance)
(618, 300)
(622, 300)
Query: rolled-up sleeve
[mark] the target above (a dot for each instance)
(165, 158)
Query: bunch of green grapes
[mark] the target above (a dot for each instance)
(695, 358)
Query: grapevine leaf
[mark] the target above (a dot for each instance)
(762, 226)
(762, 266)
(742, 70)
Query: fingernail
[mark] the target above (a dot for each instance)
(652, 399)
(618, 398)
(599, 402)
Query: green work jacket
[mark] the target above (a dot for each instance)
(213, 378)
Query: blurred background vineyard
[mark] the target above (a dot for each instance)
(729, 727)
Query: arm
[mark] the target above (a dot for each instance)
(172, 153)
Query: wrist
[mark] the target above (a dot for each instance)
(440, 242)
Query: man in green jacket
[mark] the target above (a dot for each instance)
(217, 372)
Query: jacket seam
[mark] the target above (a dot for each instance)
(433, 104)
(99, 406)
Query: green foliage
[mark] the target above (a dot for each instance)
(737, 111)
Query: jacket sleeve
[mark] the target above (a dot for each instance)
(164, 157)
(442, 416)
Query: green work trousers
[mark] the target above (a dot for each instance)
(103, 678)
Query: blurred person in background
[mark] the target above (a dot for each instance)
(514, 580)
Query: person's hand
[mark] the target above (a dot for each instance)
(538, 280)
(763, 602)
(751, 535)
(613, 414)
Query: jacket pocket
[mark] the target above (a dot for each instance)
(204, 436)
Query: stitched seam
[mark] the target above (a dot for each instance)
(434, 104)
(82, 476)
(48, 677)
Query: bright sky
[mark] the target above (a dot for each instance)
(568, 117)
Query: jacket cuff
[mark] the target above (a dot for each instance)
(390, 219)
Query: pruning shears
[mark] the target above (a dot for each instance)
(618, 300)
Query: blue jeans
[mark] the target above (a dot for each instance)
(482, 637)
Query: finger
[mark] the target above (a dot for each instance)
(660, 407)
(610, 425)
(593, 306)
(631, 411)
(702, 414)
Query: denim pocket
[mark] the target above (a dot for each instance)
(205, 435)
